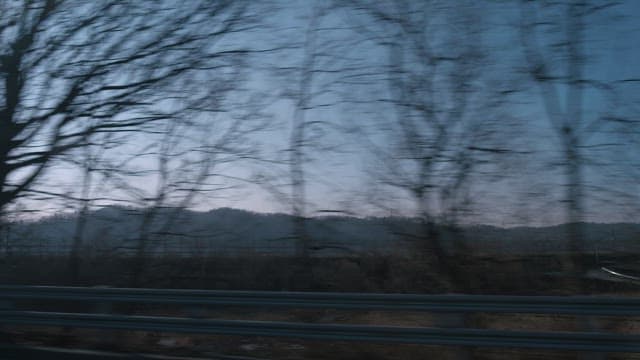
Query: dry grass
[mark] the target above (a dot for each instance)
(374, 274)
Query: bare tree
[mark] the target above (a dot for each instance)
(90, 163)
(307, 79)
(189, 167)
(70, 70)
(440, 113)
(297, 141)
(555, 38)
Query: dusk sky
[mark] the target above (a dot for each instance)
(352, 123)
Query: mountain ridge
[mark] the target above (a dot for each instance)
(229, 231)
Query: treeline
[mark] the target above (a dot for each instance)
(229, 232)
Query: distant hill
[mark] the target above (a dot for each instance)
(226, 231)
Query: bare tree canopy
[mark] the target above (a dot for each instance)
(73, 69)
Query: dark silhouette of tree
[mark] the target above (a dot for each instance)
(307, 74)
(441, 112)
(188, 161)
(555, 39)
(70, 70)
(90, 162)
(297, 140)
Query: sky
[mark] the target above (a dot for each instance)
(524, 190)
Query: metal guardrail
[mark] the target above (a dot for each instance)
(570, 305)
(582, 341)
(388, 334)
(21, 352)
